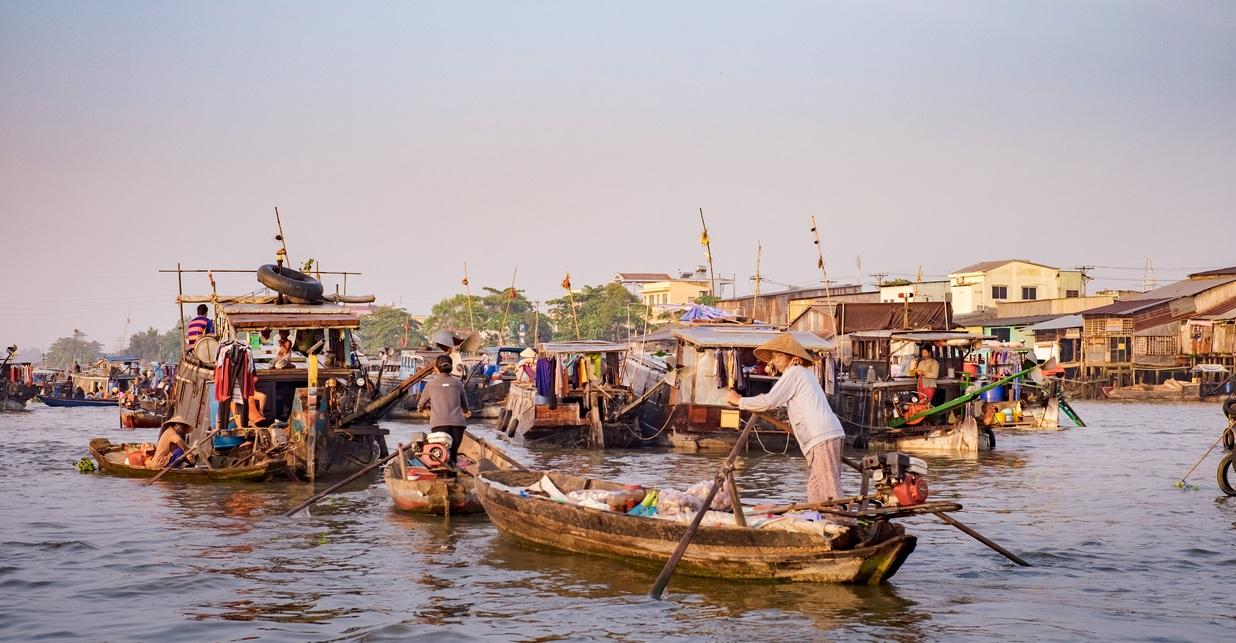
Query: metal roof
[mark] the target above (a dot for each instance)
(1186, 288)
(1059, 323)
(919, 335)
(984, 266)
(1126, 307)
(1026, 320)
(1218, 272)
(732, 337)
(582, 346)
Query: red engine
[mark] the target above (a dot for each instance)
(899, 479)
(433, 451)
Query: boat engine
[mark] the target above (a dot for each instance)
(899, 479)
(433, 450)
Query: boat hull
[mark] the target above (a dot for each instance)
(140, 419)
(66, 402)
(962, 438)
(111, 460)
(718, 552)
(456, 494)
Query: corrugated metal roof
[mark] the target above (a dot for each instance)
(1161, 330)
(918, 335)
(582, 346)
(1026, 320)
(1220, 311)
(1059, 323)
(1186, 288)
(1218, 272)
(730, 337)
(644, 276)
(984, 266)
(1125, 307)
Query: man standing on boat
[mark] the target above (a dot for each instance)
(927, 369)
(444, 395)
(816, 427)
(198, 326)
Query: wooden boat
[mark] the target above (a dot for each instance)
(446, 495)
(1169, 391)
(17, 383)
(141, 418)
(864, 555)
(111, 458)
(69, 402)
(585, 405)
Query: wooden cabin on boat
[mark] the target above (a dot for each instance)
(877, 388)
(311, 400)
(709, 361)
(577, 391)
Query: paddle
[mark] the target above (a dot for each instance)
(178, 458)
(965, 529)
(726, 468)
(316, 497)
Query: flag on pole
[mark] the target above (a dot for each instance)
(510, 293)
(704, 238)
(465, 280)
(566, 282)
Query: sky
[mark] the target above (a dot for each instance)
(403, 139)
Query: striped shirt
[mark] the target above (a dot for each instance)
(198, 326)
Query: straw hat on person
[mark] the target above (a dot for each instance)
(783, 343)
(177, 419)
(527, 353)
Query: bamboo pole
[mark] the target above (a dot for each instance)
(819, 250)
(468, 294)
(707, 243)
(566, 283)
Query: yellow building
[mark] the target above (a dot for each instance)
(673, 292)
(985, 284)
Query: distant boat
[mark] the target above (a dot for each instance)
(67, 402)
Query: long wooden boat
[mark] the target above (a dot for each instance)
(111, 458)
(863, 554)
(442, 495)
(69, 402)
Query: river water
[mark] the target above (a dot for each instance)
(1118, 551)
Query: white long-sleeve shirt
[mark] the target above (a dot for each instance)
(811, 418)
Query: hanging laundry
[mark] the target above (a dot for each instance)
(545, 372)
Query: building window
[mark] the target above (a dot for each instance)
(1029, 292)
(999, 292)
(1002, 334)
(1072, 294)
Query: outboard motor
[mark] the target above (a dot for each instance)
(900, 480)
(433, 450)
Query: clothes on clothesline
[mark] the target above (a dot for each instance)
(235, 372)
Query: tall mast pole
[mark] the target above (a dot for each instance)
(707, 243)
(510, 297)
(468, 293)
(819, 250)
(755, 299)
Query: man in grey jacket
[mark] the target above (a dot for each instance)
(444, 395)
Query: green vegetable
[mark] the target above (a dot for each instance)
(85, 465)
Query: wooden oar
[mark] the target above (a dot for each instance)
(180, 457)
(316, 497)
(969, 531)
(658, 587)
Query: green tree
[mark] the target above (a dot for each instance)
(604, 312)
(707, 300)
(65, 350)
(145, 345)
(171, 344)
(386, 327)
(489, 311)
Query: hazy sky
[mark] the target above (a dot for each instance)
(403, 139)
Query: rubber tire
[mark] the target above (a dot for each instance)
(1229, 439)
(292, 283)
(1229, 407)
(1225, 482)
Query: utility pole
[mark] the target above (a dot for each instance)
(879, 279)
(1085, 278)
(755, 299)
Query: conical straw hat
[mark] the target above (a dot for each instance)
(783, 343)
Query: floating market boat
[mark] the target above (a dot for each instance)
(138, 417)
(580, 400)
(115, 458)
(711, 359)
(422, 491)
(71, 402)
(868, 553)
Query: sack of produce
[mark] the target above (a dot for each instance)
(720, 502)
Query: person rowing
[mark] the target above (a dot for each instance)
(816, 427)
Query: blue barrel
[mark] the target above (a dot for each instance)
(994, 395)
(228, 441)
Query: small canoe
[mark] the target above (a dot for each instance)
(68, 402)
(437, 495)
(869, 555)
(111, 459)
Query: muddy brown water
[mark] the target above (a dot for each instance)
(1119, 551)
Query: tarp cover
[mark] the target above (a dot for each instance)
(700, 312)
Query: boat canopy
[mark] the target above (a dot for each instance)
(1209, 368)
(289, 316)
(582, 346)
(735, 337)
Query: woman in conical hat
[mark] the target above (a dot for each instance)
(816, 427)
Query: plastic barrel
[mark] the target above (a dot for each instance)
(994, 395)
